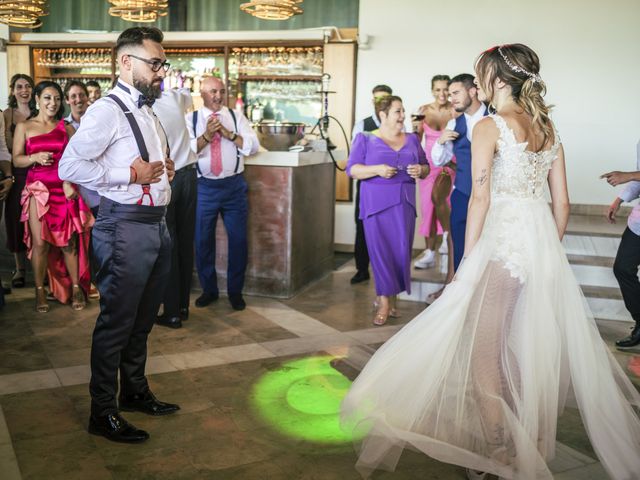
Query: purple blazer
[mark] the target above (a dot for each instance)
(377, 193)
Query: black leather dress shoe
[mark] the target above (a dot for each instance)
(632, 340)
(205, 299)
(237, 302)
(115, 428)
(360, 277)
(146, 403)
(171, 322)
(184, 313)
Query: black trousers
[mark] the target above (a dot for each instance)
(93, 266)
(132, 249)
(181, 222)
(625, 269)
(360, 251)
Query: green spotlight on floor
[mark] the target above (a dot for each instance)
(301, 399)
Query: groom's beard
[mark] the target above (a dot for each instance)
(149, 90)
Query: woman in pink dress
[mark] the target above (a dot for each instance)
(57, 221)
(435, 190)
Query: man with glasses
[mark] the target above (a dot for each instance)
(121, 151)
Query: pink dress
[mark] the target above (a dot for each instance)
(60, 218)
(427, 208)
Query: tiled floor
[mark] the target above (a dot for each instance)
(216, 368)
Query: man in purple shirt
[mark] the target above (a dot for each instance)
(627, 261)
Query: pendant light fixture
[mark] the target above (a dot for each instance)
(138, 10)
(23, 13)
(272, 9)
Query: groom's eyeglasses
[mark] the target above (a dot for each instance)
(156, 65)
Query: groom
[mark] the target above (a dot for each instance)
(456, 141)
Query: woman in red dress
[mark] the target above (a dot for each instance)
(57, 221)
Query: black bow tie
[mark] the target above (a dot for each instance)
(142, 100)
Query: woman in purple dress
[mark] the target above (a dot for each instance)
(388, 162)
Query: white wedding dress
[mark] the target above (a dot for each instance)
(479, 378)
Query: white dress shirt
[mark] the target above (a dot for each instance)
(69, 119)
(5, 156)
(102, 150)
(90, 197)
(250, 142)
(359, 126)
(631, 193)
(442, 154)
(171, 108)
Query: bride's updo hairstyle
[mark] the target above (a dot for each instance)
(519, 67)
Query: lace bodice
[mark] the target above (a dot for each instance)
(518, 172)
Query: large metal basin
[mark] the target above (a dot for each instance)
(279, 136)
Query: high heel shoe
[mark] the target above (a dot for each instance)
(17, 280)
(380, 319)
(94, 294)
(41, 301)
(393, 313)
(78, 301)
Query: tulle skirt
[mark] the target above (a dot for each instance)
(480, 377)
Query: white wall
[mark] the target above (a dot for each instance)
(589, 52)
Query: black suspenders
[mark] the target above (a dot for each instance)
(235, 127)
(137, 134)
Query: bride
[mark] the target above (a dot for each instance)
(480, 377)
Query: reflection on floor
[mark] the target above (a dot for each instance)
(259, 389)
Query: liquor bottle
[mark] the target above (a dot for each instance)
(239, 104)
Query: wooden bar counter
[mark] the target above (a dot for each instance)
(291, 222)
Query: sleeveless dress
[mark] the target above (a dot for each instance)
(479, 378)
(427, 208)
(60, 218)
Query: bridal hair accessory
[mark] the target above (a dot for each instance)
(515, 68)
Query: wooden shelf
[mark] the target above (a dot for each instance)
(78, 75)
(284, 78)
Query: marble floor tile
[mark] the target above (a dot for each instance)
(307, 344)
(159, 364)
(590, 472)
(568, 459)
(72, 457)
(375, 334)
(243, 353)
(77, 375)
(187, 360)
(26, 381)
(298, 323)
(8, 463)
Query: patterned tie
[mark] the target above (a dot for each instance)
(216, 152)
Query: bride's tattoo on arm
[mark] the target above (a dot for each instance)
(482, 179)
